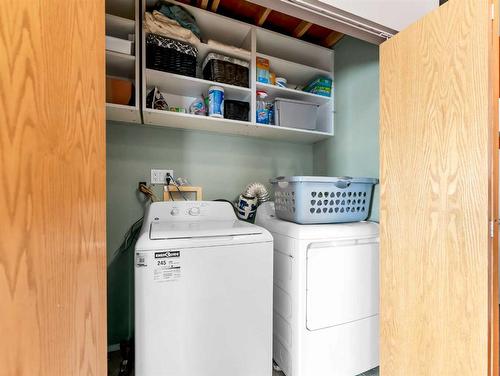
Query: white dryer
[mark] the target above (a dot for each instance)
(326, 296)
(203, 293)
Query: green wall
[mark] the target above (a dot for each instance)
(354, 150)
(222, 165)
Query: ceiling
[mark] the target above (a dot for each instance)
(270, 19)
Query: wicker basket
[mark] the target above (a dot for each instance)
(236, 110)
(169, 55)
(224, 69)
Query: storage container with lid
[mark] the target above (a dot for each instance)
(295, 114)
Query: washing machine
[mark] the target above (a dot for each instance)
(326, 296)
(203, 292)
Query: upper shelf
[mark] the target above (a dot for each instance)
(120, 65)
(282, 92)
(293, 50)
(191, 86)
(227, 126)
(217, 27)
(295, 73)
(121, 8)
(120, 112)
(119, 27)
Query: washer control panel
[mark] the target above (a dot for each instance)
(191, 211)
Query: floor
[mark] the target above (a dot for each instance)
(114, 366)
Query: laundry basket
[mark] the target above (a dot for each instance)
(316, 199)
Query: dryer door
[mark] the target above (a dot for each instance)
(342, 282)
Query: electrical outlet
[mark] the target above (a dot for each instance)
(160, 176)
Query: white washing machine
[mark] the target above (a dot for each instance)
(326, 296)
(203, 293)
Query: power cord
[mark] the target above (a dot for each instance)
(170, 179)
(147, 191)
(133, 232)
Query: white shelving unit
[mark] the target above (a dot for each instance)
(121, 20)
(300, 62)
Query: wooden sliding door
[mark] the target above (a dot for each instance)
(439, 189)
(52, 188)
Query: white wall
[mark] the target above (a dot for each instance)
(395, 14)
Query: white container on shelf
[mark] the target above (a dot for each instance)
(119, 45)
(295, 114)
(281, 82)
(216, 101)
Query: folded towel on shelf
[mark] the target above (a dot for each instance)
(157, 23)
(181, 15)
(228, 49)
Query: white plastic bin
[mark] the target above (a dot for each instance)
(295, 114)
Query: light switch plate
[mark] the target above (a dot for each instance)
(160, 176)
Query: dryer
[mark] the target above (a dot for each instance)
(203, 292)
(326, 296)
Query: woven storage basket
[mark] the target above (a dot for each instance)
(225, 69)
(236, 110)
(169, 55)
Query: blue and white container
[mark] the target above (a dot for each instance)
(281, 82)
(321, 199)
(216, 101)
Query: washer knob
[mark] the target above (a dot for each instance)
(174, 211)
(194, 211)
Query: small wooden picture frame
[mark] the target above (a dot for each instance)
(171, 192)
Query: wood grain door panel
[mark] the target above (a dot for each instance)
(437, 169)
(52, 181)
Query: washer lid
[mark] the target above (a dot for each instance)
(201, 229)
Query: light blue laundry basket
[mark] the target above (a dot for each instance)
(318, 199)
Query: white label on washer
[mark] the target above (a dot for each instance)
(141, 259)
(167, 266)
